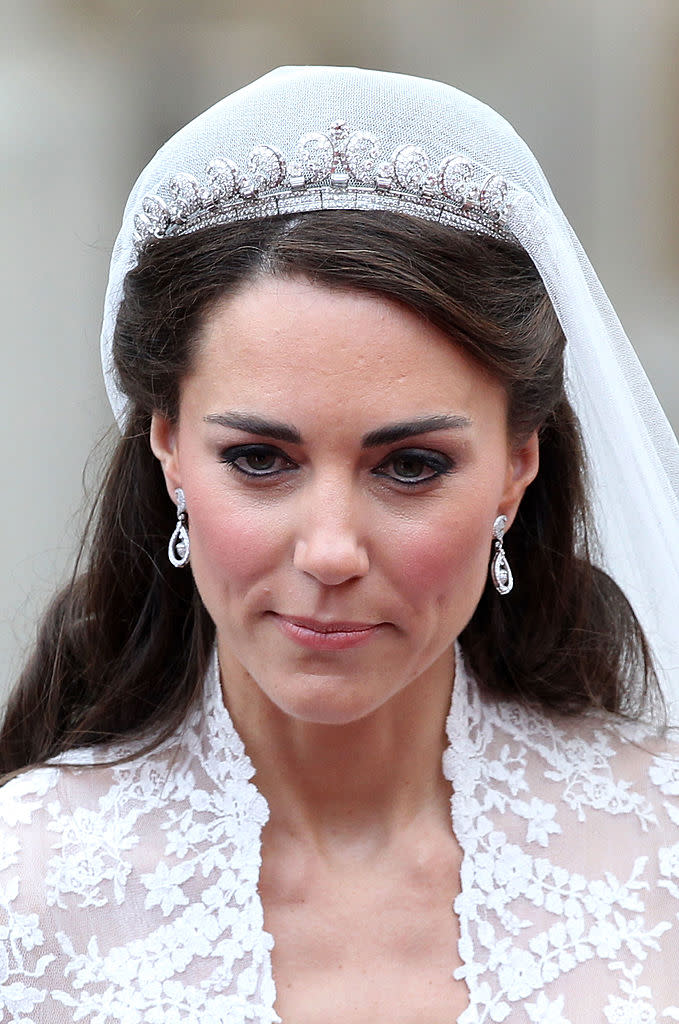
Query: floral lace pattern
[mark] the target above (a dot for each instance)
(129, 895)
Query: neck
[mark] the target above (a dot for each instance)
(360, 782)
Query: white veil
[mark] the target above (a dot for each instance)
(429, 150)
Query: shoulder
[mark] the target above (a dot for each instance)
(114, 866)
(35, 807)
(24, 795)
(56, 820)
(27, 950)
(595, 765)
(23, 816)
(572, 825)
(612, 777)
(593, 739)
(31, 796)
(67, 836)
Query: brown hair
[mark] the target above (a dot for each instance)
(124, 646)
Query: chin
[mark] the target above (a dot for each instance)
(326, 702)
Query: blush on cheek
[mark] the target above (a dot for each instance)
(445, 558)
(445, 573)
(231, 547)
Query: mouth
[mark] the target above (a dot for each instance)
(318, 634)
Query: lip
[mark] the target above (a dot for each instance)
(320, 635)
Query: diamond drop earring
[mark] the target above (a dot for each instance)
(500, 572)
(179, 548)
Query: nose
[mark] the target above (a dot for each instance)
(328, 546)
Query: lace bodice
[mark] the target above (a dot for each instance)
(129, 895)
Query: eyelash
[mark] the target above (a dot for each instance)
(231, 456)
(439, 464)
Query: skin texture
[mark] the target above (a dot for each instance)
(338, 573)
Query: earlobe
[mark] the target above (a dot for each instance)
(163, 445)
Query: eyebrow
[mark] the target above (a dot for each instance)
(256, 425)
(382, 435)
(425, 425)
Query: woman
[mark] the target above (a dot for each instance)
(335, 333)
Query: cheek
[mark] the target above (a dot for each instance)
(447, 562)
(446, 558)
(230, 547)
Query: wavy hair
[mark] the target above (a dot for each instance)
(123, 648)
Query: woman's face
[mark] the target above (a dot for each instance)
(343, 463)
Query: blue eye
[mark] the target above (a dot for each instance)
(256, 460)
(413, 466)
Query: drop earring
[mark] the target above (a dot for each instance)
(179, 548)
(500, 572)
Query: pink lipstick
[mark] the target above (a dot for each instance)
(326, 636)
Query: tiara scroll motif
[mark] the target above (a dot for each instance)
(339, 168)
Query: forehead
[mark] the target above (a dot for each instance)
(295, 343)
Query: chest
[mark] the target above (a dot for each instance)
(375, 941)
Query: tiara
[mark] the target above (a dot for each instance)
(336, 169)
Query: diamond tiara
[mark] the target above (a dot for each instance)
(336, 169)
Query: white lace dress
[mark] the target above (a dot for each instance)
(129, 895)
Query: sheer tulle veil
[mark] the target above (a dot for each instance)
(427, 149)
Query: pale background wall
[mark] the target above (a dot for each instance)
(89, 89)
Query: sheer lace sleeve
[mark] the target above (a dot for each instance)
(129, 894)
(27, 954)
(570, 881)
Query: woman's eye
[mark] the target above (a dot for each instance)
(413, 466)
(256, 459)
